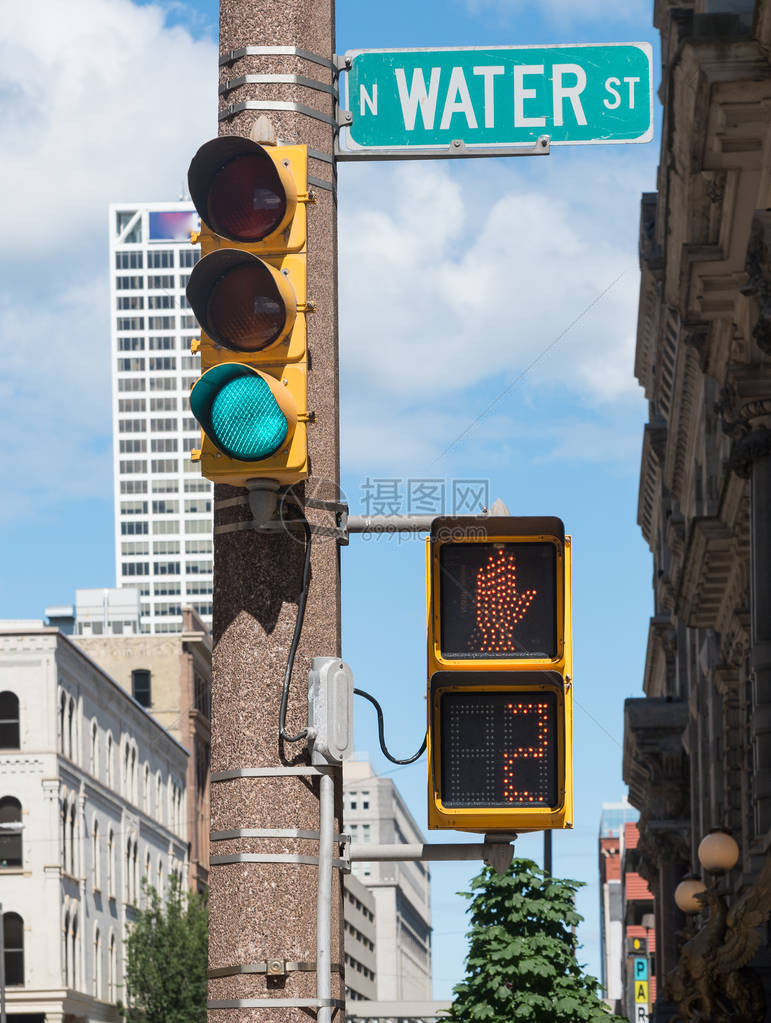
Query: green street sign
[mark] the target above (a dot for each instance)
(506, 96)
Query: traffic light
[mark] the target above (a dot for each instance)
(500, 704)
(248, 293)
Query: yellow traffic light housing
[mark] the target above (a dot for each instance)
(499, 674)
(248, 292)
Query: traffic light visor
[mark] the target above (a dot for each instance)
(243, 303)
(239, 190)
(247, 414)
(498, 600)
(499, 749)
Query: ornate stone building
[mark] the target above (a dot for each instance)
(697, 748)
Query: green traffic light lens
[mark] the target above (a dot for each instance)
(246, 421)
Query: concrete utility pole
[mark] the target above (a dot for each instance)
(263, 900)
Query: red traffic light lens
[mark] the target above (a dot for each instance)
(245, 308)
(246, 200)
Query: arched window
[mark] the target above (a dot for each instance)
(146, 791)
(13, 943)
(74, 956)
(158, 799)
(62, 717)
(148, 878)
(110, 865)
(127, 878)
(9, 721)
(133, 773)
(94, 759)
(67, 949)
(63, 821)
(70, 716)
(160, 879)
(97, 963)
(134, 873)
(140, 686)
(95, 855)
(111, 970)
(10, 832)
(108, 762)
(73, 864)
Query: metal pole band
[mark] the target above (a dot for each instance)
(275, 1003)
(268, 772)
(220, 861)
(311, 836)
(276, 51)
(277, 104)
(266, 967)
(306, 83)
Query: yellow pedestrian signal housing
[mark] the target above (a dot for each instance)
(248, 293)
(500, 697)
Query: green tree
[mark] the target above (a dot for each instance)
(521, 963)
(166, 958)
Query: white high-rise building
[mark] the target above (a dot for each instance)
(163, 513)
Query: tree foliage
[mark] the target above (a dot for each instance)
(521, 964)
(166, 958)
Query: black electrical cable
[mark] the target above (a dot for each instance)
(298, 625)
(380, 734)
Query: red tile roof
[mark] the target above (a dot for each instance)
(631, 835)
(637, 887)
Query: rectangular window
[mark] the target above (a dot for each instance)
(168, 609)
(133, 528)
(133, 507)
(160, 259)
(160, 322)
(162, 384)
(167, 589)
(167, 486)
(140, 688)
(197, 506)
(128, 261)
(163, 404)
(198, 567)
(187, 322)
(189, 257)
(135, 568)
(165, 526)
(198, 546)
(130, 322)
(160, 281)
(133, 486)
(129, 283)
(164, 465)
(160, 302)
(135, 547)
(197, 486)
(158, 425)
(132, 446)
(131, 344)
(188, 423)
(188, 465)
(162, 343)
(187, 383)
(204, 609)
(130, 302)
(166, 568)
(137, 465)
(189, 362)
(183, 279)
(198, 526)
(132, 405)
(166, 547)
(163, 362)
(164, 444)
(165, 507)
(135, 365)
(194, 587)
(132, 425)
(131, 384)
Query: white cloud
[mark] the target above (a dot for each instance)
(102, 103)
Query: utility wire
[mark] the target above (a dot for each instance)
(298, 626)
(381, 734)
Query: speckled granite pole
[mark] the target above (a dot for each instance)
(267, 911)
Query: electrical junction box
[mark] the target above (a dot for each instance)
(330, 710)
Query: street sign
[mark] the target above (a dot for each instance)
(641, 1014)
(498, 96)
(641, 991)
(641, 969)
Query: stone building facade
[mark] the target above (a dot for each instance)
(698, 746)
(170, 675)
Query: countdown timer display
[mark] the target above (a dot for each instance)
(498, 600)
(499, 749)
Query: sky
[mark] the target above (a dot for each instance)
(455, 277)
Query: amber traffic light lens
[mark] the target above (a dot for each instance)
(245, 309)
(246, 199)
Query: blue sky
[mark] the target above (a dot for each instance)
(454, 277)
